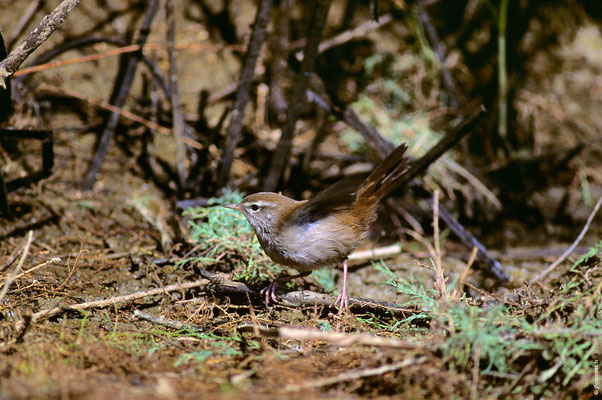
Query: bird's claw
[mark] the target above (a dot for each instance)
(342, 301)
(270, 292)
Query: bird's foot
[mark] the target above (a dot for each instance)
(342, 301)
(270, 292)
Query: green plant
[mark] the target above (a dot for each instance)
(559, 333)
(224, 236)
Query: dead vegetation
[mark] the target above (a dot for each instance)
(143, 287)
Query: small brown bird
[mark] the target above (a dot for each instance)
(311, 234)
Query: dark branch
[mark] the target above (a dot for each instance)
(121, 97)
(283, 149)
(242, 96)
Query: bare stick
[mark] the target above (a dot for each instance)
(466, 237)
(439, 277)
(449, 140)
(40, 315)
(306, 298)
(359, 31)
(457, 292)
(344, 339)
(42, 63)
(335, 338)
(13, 256)
(242, 95)
(375, 254)
(122, 92)
(283, 149)
(278, 43)
(474, 181)
(431, 33)
(105, 106)
(41, 265)
(575, 243)
(34, 39)
(180, 129)
(357, 374)
(13, 275)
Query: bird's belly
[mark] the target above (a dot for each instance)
(313, 245)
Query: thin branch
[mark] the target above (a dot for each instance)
(105, 106)
(357, 374)
(335, 338)
(242, 95)
(306, 298)
(575, 243)
(34, 39)
(9, 279)
(180, 129)
(449, 140)
(41, 265)
(502, 75)
(433, 39)
(42, 63)
(283, 149)
(121, 97)
(456, 293)
(11, 258)
(117, 300)
(466, 237)
(474, 182)
(359, 31)
(375, 254)
(439, 277)
(278, 44)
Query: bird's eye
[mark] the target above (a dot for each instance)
(254, 207)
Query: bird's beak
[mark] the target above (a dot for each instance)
(233, 206)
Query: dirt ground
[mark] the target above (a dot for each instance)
(97, 305)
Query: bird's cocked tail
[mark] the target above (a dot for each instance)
(386, 176)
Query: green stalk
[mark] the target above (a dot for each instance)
(502, 74)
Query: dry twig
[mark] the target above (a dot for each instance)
(376, 254)
(10, 278)
(122, 89)
(439, 277)
(334, 338)
(104, 106)
(457, 292)
(43, 314)
(247, 75)
(34, 39)
(184, 159)
(575, 243)
(283, 149)
(357, 374)
(345, 339)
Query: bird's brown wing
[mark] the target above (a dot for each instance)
(339, 196)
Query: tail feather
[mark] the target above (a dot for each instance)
(385, 176)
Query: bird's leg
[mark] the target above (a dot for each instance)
(342, 300)
(270, 290)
